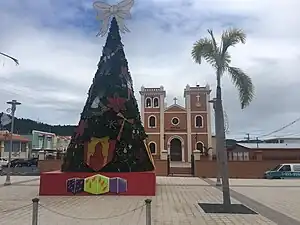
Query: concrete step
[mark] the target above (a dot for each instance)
(180, 175)
(180, 170)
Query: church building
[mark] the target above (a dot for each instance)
(177, 129)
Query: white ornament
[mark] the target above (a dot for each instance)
(95, 103)
(120, 11)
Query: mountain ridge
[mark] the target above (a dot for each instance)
(25, 127)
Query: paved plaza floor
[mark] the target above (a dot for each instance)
(175, 203)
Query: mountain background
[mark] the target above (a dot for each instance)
(25, 126)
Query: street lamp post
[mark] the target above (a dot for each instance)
(13, 108)
(218, 183)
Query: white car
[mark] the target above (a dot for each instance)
(3, 162)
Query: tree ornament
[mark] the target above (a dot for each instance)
(105, 12)
(131, 121)
(98, 152)
(108, 54)
(100, 110)
(112, 124)
(95, 103)
(116, 103)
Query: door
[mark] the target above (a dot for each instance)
(176, 150)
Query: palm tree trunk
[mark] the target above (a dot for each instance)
(220, 143)
(218, 183)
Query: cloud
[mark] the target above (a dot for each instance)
(58, 52)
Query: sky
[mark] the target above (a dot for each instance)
(56, 44)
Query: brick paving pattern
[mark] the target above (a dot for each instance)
(175, 203)
(280, 195)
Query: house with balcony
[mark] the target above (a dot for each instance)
(20, 146)
(62, 143)
(42, 141)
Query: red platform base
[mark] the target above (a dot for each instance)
(134, 183)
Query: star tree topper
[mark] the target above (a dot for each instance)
(106, 12)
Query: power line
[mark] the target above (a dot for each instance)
(281, 128)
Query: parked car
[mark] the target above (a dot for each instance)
(23, 162)
(3, 162)
(284, 171)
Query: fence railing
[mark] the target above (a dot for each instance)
(36, 207)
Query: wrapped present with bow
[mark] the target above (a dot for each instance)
(75, 185)
(117, 185)
(96, 184)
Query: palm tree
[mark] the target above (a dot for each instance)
(217, 55)
(12, 58)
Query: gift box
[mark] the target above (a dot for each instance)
(96, 184)
(75, 185)
(117, 185)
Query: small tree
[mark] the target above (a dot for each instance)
(218, 56)
(110, 136)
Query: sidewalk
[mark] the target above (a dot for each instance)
(175, 203)
(280, 195)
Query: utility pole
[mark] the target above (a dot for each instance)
(13, 108)
(257, 142)
(218, 183)
(248, 137)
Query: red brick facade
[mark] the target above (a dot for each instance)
(176, 129)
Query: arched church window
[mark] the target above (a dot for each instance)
(198, 121)
(148, 103)
(199, 146)
(155, 102)
(152, 121)
(152, 147)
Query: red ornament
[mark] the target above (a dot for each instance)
(116, 103)
(99, 152)
(80, 129)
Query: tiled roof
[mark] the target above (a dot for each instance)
(4, 135)
(270, 145)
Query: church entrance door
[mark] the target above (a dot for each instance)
(176, 150)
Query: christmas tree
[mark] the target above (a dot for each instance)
(110, 136)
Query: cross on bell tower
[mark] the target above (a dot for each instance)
(175, 100)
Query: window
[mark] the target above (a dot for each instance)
(155, 103)
(152, 147)
(229, 156)
(246, 156)
(48, 142)
(199, 146)
(234, 156)
(296, 168)
(148, 103)
(198, 121)
(240, 156)
(23, 147)
(152, 121)
(41, 142)
(285, 168)
(175, 121)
